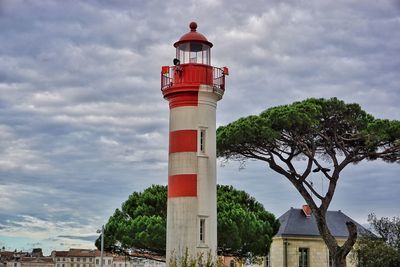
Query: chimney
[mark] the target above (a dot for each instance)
(307, 211)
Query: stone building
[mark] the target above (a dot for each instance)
(81, 257)
(299, 244)
(61, 258)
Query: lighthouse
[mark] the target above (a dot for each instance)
(192, 87)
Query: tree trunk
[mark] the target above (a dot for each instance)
(339, 258)
(339, 252)
(339, 261)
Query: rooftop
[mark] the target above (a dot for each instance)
(61, 253)
(295, 223)
(73, 252)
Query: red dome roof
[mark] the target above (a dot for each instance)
(193, 36)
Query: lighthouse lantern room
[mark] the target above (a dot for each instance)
(192, 87)
(193, 47)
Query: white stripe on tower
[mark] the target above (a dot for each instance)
(183, 118)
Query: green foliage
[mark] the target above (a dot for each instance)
(383, 249)
(245, 229)
(140, 223)
(330, 125)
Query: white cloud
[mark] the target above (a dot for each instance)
(17, 153)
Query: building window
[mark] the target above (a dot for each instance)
(78, 259)
(58, 259)
(72, 259)
(109, 262)
(58, 265)
(90, 259)
(202, 141)
(63, 259)
(232, 263)
(97, 261)
(84, 259)
(202, 230)
(62, 265)
(303, 257)
(78, 265)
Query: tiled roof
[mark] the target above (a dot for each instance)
(295, 223)
(6, 255)
(61, 253)
(74, 252)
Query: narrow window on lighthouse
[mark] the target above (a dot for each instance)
(202, 140)
(202, 230)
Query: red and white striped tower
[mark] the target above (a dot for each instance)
(192, 86)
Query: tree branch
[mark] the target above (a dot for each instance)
(312, 190)
(352, 238)
(307, 171)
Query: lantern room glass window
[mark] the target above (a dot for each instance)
(193, 52)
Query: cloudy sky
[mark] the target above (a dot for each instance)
(83, 123)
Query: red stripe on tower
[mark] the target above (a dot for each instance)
(183, 141)
(182, 185)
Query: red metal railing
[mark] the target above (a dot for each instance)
(192, 73)
(219, 78)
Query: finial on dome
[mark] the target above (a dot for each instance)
(193, 26)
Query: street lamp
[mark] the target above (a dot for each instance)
(102, 244)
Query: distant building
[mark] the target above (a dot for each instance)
(5, 256)
(122, 261)
(81, 258)
(37, 252)
(107, 259)
(74, 258)
(78, 258)
(13, 259)
(14, 262)
(229, 261)
(298, 242)
(61, 258)
(36, 262)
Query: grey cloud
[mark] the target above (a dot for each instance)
(85, 238)
(82, 119)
